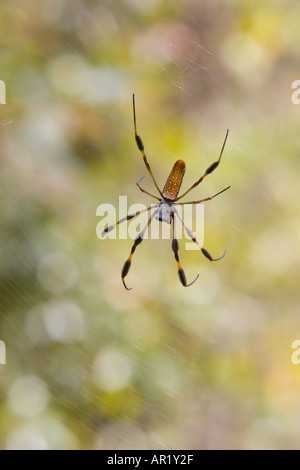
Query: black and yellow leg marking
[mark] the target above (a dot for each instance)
(209, 170)
(137, 242)
(144, 190)
(202, 200)
(141, 148)
(127, 217)
(193, 238)
(175, 248)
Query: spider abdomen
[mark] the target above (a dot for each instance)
(174, 181)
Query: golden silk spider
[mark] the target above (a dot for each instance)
(165, 210)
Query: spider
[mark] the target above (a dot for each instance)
(165, 209)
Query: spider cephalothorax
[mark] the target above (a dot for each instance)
(165, 209)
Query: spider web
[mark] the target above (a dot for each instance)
(89, 365)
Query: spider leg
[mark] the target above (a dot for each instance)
(191, 235)
(127, 217)
(202, 200)
(209, 170)
(143, 190)
(141, 148)
(175, 248)
(137, 242)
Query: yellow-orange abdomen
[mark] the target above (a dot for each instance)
(174, 181)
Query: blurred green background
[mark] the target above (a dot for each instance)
(90, 365)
